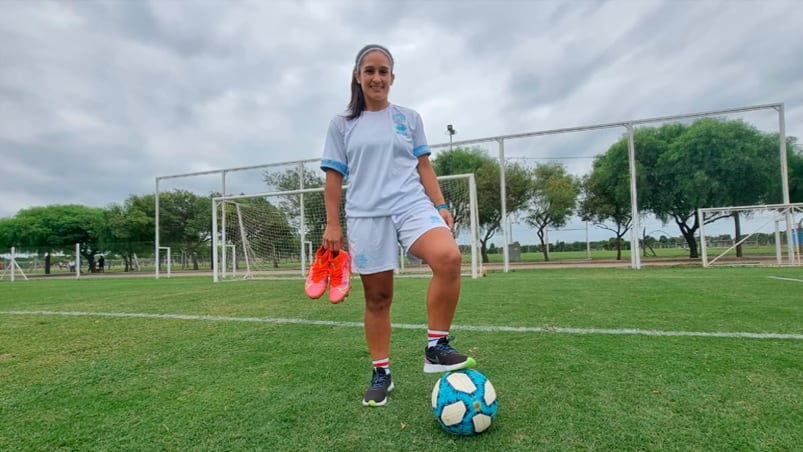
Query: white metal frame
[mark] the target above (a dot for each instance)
(218, 238)
(635, 257)
(786, 213)
(223, 173)
(500, 140)
(168, 264)
(12, 266)
(225, 261)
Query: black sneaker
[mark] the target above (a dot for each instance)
(443, 358)
(381, 385)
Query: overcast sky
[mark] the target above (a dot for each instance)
(98, 98)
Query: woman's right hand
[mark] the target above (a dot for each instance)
(333, 237)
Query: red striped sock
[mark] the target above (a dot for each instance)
(383, 363)
(433, 336)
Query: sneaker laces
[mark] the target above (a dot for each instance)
(380, 380)
(444, 347)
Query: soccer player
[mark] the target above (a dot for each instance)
(393, 197)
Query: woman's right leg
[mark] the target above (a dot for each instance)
(375, 253)
(378, 298)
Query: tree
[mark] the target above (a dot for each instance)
(794, 155)
(487, 173)
(554, 199)
(266, 229)
(130, 228)
(57, 228)
(290, 205)
(185, 221)
(458, 161)
(606, 194)
(9, 231)
(712, 163)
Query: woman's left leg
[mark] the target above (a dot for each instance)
(439, 250)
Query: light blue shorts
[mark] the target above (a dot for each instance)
(374, 241)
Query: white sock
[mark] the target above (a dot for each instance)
(383, 363)
(433, 336)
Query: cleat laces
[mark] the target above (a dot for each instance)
(319, 271)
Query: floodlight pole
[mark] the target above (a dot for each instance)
(450, 131)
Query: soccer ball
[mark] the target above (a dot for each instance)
(464, 402)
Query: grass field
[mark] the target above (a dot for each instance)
(582, 359)
(34, 266)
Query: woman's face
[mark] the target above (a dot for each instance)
(375, 77)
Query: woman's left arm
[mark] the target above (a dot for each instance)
(433, 189)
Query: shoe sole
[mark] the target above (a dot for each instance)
(439, 368)
(314, 296)
(335, 300)
(383, 402)
(315, 290)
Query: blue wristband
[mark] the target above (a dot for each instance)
(442, 206)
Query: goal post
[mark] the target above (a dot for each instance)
(12, 267)
(168, 259)
(273, 235)
(765, 230)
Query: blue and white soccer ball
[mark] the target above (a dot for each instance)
(464, 402)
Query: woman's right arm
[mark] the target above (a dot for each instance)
(333, 234)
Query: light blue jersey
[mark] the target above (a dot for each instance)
(377, 154)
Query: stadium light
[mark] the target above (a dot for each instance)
(450, 131)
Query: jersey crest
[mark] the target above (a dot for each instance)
(400, 121)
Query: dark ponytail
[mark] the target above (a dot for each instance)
(357, 103)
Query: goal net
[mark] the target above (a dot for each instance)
(275, 235)
(751, 235)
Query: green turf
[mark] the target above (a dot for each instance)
(92, 382)
(34, 266)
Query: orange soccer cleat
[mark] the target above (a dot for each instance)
(318, 276)
(340, 279)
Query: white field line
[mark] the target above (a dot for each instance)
(785, 279)
(408, 326)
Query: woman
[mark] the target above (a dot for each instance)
(393, 197)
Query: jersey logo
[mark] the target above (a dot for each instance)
(401, 125)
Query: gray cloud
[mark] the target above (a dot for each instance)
(99, 98)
